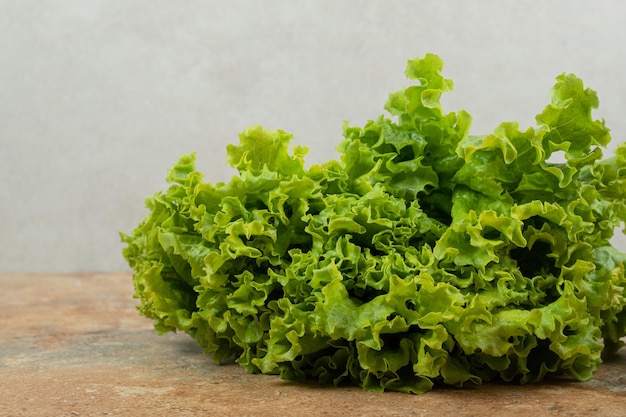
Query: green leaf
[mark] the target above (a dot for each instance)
(424, 255)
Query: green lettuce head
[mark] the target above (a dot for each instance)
(423, 256)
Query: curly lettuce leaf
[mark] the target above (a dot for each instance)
(423, 256)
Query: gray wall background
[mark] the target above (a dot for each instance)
(99, 98)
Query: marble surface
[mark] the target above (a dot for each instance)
(74, 345)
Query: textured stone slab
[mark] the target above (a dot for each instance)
(74, 345)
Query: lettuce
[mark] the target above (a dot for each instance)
(423, 256)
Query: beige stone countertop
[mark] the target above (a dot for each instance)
(74, 345)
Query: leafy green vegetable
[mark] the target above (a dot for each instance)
(425, 255)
